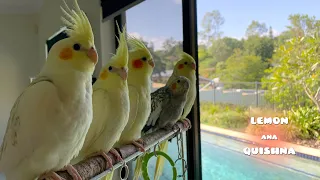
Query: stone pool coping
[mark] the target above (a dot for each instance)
(301, 151)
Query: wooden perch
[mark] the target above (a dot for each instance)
(96, 166)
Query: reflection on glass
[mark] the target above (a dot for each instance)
(254, 63)
(161, 31)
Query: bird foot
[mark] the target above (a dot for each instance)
(105, 156)
(116, 154)
(72, 171)
(50, 176)
(175, 127)
(139, 143)
(186, 123)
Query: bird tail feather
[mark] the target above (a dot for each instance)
(160, 160)
(137, 170)
(108, 176)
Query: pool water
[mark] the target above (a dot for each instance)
(223, 159)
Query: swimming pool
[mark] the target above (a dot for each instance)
(223, 159)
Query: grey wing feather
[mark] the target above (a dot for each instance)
(158, 99)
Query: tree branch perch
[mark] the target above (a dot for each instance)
(96, 166)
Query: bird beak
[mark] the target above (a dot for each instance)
(193, 66)
(93, 56)
(151, 63)
(123, 73)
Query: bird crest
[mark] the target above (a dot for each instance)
(122, 50)
(78, 25)
(186, 56)
(137, 45)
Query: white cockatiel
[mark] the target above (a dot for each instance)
(110, 106)
(49, 120)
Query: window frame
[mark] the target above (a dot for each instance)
(116, 10)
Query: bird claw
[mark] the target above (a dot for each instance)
(139, 143)
(105, 156)
(50, 176)
(186, 123)
(176, 127)
(116, 154)
(72, 171)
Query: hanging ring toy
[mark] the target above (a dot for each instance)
(186, 166)
(155, 149)
(159, 153)
(126, 169)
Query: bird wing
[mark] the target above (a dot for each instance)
(134, 105)
(27, 126)
(159, 98)
(100, 111)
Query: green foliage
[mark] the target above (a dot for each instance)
(307, 120)
(291, 73)
(243, 68)
(259, 46)
(256, 29)
(223, 115)
(303, 25)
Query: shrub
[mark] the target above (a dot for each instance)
(307, 120)
(223, 115)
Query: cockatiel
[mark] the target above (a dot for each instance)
(167, 104)
(141, 67)
(110, 106)
(51, 117)
(184, 67)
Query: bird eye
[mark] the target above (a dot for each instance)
(76, 47)
(144, 58)
(110, 68)
(185, 63)
(178, 81)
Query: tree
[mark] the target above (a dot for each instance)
(259, 46)
(241, 68)
(271, 33)
(303, 25)
(292, 82)
(171, 52)
(211, 24)
(256, 29)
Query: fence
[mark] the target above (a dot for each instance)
(238, 93)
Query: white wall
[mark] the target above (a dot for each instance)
(22, 47)
(18, 59)
(50, 22)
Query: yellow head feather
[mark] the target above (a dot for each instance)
(137, 45)
(186, 56)
(122, 51)
(78, 25)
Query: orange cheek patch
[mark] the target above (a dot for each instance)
(137, 63)
(174, 86)
(66, 54)
(180, 66)
(104, 75)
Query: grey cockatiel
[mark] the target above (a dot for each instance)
(167, 104)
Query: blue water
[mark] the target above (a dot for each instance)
(222, 164)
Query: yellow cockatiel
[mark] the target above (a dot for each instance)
(51, 117)
(141, 67)
(110, 106)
